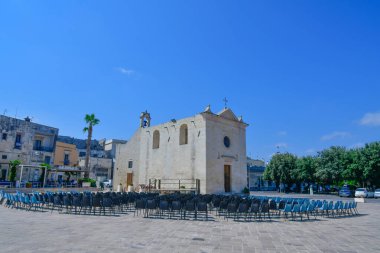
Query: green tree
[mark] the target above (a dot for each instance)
(91, 121)
(333, 162)
(370, 160)
(305, 169)
(354, 170)
(42, 176)
(13, 168)
(280, 169)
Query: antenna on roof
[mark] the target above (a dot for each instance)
(5, 111)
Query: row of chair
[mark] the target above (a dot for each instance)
(179, 206)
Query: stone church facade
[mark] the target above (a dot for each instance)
(208, 147)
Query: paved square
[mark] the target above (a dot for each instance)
(23, 231)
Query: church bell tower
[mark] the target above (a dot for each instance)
(145, 119)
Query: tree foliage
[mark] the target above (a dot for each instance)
(331, 166)
(280, 168)
(42, 176)
(305, 169)
(333, 162)
(13, 168)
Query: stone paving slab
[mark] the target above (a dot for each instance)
(22, 231)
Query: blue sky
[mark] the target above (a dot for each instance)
(304, 74)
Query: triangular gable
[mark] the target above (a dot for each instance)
(228, 114)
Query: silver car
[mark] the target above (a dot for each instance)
(377, 193)
(364, 193)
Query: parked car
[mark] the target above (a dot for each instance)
(107, 183)
(347, 191)
(364, 193)
(377, 194)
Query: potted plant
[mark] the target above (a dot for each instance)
(28, 185)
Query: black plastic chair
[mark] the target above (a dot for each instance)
(164, 208)
(97, 204)
(151, 207)
(57, 203)
(242, 210)
(231, 210)
(202, 208)
(189, 208)
(86, 203)
(223, 207)
(67, 203)
(139, 206)
(265, 210)
(108, 204)
(255, 210)
(77, 203)
(176, 208)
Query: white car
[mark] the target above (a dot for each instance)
(364, 193)
(108, 183)
(377, 193)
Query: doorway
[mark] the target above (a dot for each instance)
(129, 179)
(3, 175)
(227, 178)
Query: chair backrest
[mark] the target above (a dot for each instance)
(96, 201)
(232, 207)
(223, 204)
(216, 202)
(140, 204)
(77, 201)
(107, 202)
(57, 200)
(151, 204)
(190, 205)
(164, 205)
(265, 207)
(288, 208)
(86, 200)
(282, 204)
(272, 205)
(66, 201)
(243, 208)
(202, 206)
(296, 208)
(176, 205)
(255, 208)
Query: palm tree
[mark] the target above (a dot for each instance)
(90, 121)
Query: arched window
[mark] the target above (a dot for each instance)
(183, 135)
(156, 139)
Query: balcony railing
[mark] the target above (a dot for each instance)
(41, 148)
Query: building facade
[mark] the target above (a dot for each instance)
(207, 147)
(102, 155)
(31, 143)
(255, 172)
(65, 155)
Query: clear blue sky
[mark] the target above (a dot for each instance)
(304, 74)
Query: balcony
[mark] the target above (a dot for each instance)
(41, 148)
